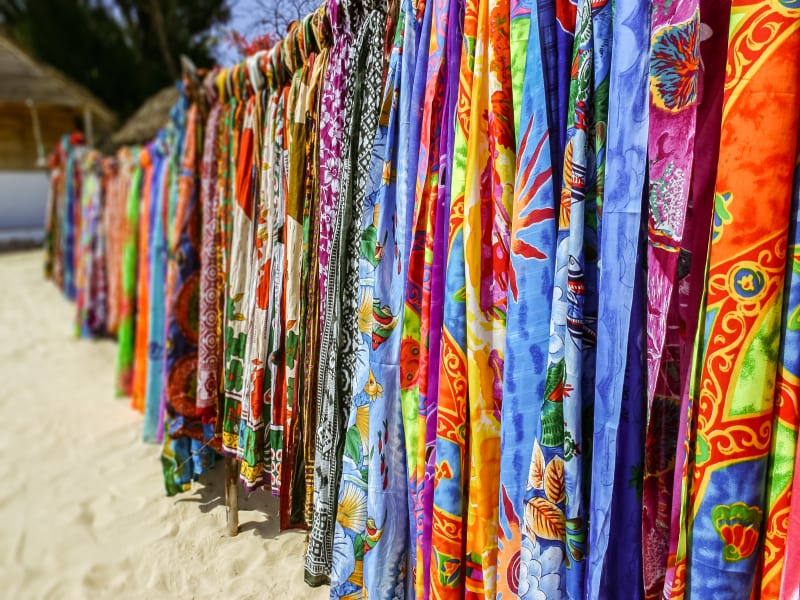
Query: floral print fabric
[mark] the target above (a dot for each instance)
(495, 297)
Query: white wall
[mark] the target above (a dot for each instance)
(23, 200)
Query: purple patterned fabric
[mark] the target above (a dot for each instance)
(208, 337)
(331, 133)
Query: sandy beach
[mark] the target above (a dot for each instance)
(83, 512)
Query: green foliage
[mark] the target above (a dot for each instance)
(122, 50)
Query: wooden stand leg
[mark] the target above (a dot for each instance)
(232, 495)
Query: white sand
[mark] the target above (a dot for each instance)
(83, 513)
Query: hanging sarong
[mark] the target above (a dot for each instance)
(127, 311)
(385, 564)
(291, 510)
(674, 81)
(117, 231)
(186, 453)
(532, 252)
(241, 219)
(448, 512)
(276, 401)
(618, 374)
(337, 367)
(414, 263)
(555, 520)
(715, 14)
(488, 200)
(736, 365)
(254, 303)
(311, 240)
(781, 478)
(143, 282)
(208, 309)
(426, 271)
(358, 526)
(158, 277)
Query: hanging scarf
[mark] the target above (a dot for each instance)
(532, 248)
(292, 494)
(127, 311)
(674, 81)
(143, 282)
(621, 212)
(306, 446)
(732, 431)
(716, 14)
(360, 524)
(338, 355)
(414, 266)
(254, 305)
(208, 309)
(425, 291)
(186, 453)
(117, 231)
(158, 276)
(237, 273)
(276, 398)
(778, 558)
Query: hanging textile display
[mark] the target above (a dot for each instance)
(735, 363)
(497, 298)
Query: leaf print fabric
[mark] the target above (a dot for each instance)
(497, 298)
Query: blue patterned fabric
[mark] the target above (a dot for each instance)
(624, 186)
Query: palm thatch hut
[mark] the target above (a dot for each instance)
(145, 122)
(38, 104)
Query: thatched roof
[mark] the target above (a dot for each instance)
(146, 121)
(24, 78)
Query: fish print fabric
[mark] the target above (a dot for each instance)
(532, 251)
(496, 298)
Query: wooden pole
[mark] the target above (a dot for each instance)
(232, 495)
(41, 161)
(88, 126)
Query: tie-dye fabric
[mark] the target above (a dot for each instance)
(736, 365)
(130, 258)
(674, 71)
(142, 313)
(781, 476)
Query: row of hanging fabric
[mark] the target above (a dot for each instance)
(501, 298)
